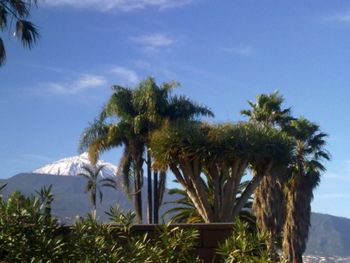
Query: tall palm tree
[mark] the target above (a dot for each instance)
(128, 131)
(127, 120)
(156, 106)
(17, 12)
(92, 173)
(268, 202)
(305, 175)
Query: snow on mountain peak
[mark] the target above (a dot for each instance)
(71, 166)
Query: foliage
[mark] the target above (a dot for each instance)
(245, 245)
(184, 211)
(26, 233)
(198, 153)
(127, 120)
(90, 241)
(173, 244)
(91, 173)
(305, 174)
(267, 110)
(269, 203)
(94, 242)
(18, 11)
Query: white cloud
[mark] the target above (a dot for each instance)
(124, 75)
(122, 5)
(154, 40)
(341, 18)
(81, 84)
(246, 51)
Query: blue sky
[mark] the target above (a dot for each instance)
(222, 52)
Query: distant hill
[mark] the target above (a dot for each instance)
(70, 198)
(69, 188)
(329, 236)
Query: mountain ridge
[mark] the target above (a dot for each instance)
(71, 166)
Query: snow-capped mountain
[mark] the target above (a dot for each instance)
(71, 166)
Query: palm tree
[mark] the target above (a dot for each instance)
(305, 175)
(198, 152)
(18, 11)
(268, 203)
(267, 110)
(129, 131)
(156, 106)
(138, 112)
(185, 212)
(92, 173)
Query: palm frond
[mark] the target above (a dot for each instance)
(96, 129)
(125, 169)
(2, 187)
(109, 182)
(99, 169)
(181, 107)
(2, 53)
(3, 17)
(247, 113)
(27, 32)
(20, 7)
(120, 103)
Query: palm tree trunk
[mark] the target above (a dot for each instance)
(149, 189)
(137, 156)
(269, 209)
(296, 229)
(155, 198)
(246, 194)
(138, 197)
(94, 203)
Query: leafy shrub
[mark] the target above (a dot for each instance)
(26, 233)
(173, 245)
(89, 241)
(245, 245)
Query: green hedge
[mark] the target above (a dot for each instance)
(29, 234)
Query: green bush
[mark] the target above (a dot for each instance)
(89, 241)
(245, 245)
(26, 233)
(172, 245)
(29, 234)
